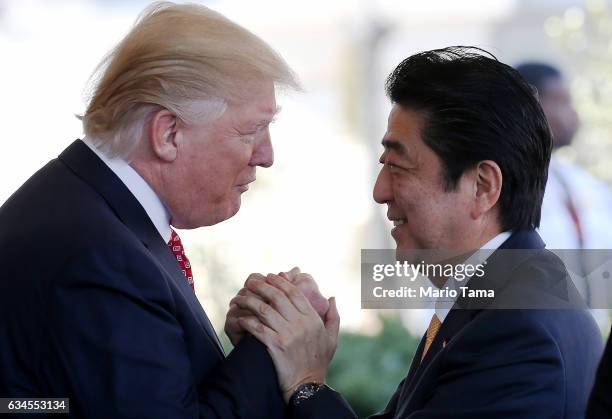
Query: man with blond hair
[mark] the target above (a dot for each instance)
(96, 293)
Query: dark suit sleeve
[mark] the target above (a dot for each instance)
(600, 402)
(330, 404)
(115, 346)
(489, 373)
(325, 403)
(389, 412)
(244, 386)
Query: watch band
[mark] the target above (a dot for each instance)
(305, 391)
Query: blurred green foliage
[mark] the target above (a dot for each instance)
(368, 369)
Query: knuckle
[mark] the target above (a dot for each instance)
(283, 342)
(264, 309)
(276, 298)
(294, 292)
(277, 342)
(253, 276)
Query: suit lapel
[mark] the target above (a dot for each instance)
(453, 324)
(514, 252)
(160, 250)
(496, 275)
(85, 164)
(416, 361)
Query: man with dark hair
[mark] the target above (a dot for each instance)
(464, 167)
(555, 99)
(576, 206)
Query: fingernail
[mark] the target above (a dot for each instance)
(283, 275)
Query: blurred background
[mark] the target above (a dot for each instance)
(314, 207)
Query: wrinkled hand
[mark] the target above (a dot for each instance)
(303, 281)
(309, 288)
(300, 343)
(233, 329)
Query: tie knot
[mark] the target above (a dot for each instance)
(175, 242)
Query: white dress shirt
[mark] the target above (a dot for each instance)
(443, 305)
(141, 190)
(592, 200)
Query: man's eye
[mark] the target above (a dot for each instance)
(247, 133)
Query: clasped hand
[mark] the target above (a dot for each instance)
(298, 326)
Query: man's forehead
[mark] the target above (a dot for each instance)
(403, 131)
(260, 109)
(555, 86)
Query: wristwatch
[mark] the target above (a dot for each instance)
(305, 391)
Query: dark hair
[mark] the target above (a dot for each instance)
(476, 108)
(537, 74)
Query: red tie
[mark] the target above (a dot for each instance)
(179, 253)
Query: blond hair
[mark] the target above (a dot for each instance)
(183, 57)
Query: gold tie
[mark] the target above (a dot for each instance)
(432, 330)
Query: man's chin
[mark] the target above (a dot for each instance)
(406, 251)
(233, 210)
(400, 252)
(210, 218)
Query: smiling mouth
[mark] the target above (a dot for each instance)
(399, 222)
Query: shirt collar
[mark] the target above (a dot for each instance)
(141, 190)
(443, 305)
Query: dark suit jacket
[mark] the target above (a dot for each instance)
(600, 403)
(94, 307)
(498, 364)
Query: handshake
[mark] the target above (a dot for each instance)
(298, 326)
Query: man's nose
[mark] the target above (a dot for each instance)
(382, 188)
(263, 155)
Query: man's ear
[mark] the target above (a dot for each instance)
(162, 129)
(488, 185)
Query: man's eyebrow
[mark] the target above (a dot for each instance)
(395, 145)
(271, 118)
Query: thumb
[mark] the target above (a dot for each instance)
(332, 320)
